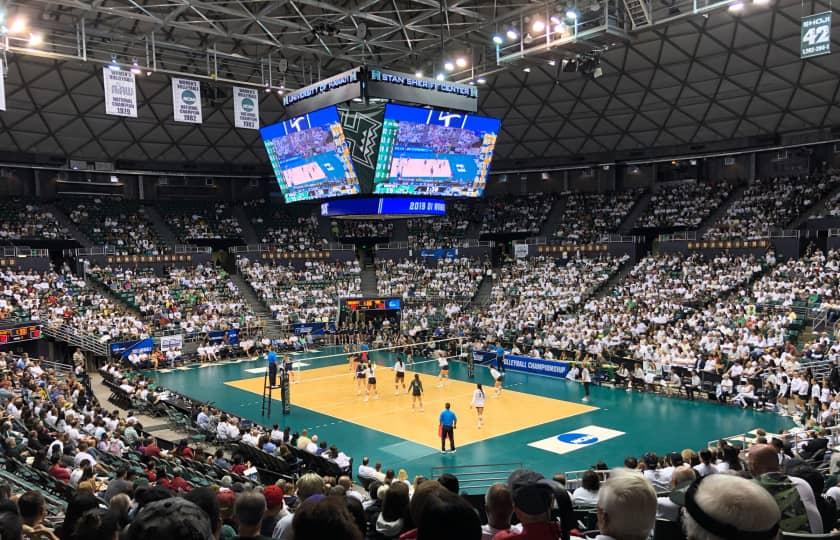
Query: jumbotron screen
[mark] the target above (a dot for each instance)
(434, 152)
(310, 156)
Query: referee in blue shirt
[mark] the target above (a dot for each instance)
(272, 367)
(448, 421)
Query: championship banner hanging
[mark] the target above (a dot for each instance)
(246, 108)
(815, 35)
(120, 93)
(2, 86)
(186, 100)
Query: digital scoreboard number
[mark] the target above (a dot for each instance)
(371, 304)
(815, 35)
(15, 334)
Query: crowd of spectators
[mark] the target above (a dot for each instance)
(275, 225)
(811, 280)
(350, 228)
(684, 205)
(442, 231)
(194, 300)
(589, 216)
(307, 294)
(444, 279)
(26, 220)
(201, 220)
(520, 215)
(770, 203)
(116, 223)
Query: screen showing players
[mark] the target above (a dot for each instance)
(310, 156)
(434, 152)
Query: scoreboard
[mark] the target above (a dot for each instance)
(19, 332)
(370, 304)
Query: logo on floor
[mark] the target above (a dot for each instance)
(577, 439)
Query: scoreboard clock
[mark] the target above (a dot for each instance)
(19, 332)
(815, 35)
(370, 304)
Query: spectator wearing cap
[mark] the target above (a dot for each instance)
(275, 509)
(226, 499)
(793, 495)
(626, 507)
(498, 505)
(726, 506)
(171, 519)
(307, 485)
(249, 511)
(532, 497)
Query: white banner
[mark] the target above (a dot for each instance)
(186, 100)
(120, 93)
(171, 342)
(520, 251)
(2, 86)
(246, 108)
(577, 439)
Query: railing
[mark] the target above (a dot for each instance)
(833, 232)
(534, 241)
(464, 243)
(678, 236)
(111, 250)
(784, 233)
(621, 239)
(262, 248)
(189, 248)
(794, 438)
(478, 478)
(23, 251)
(77, 339)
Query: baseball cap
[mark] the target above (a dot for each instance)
(226, 499)
(273, 496)
(171, 519)
(531, 493)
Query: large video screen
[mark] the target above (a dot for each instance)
(310, 156)
(434, 152)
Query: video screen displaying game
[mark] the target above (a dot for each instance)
(434, 152)
(310, 156)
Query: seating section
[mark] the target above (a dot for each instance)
(588, 217)
(517, 215)
(275, 225)
(683, 206)
(442, 231)
(188, 300)
(770, 203)
(27, 220)
(308, 294)
(806, 282)
(116, 223)
(443, 279)
(359, 230)
(201, 220)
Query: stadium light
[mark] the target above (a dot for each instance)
(114, 66)
(449, 66)
(552, 63)
(18, 25)
(526, 69)
(481, 80)
(135, 67)
(512, 34)
(761, 2)
(440, 76)
(571, 14)
(538, 26)
(737, 7)
(36, 39)
(461, 62)
(418, 73)
(498, 40)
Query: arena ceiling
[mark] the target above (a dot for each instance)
(676, 78)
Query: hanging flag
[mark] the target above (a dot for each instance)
(2, 86)
(186, 100)
(246, 108)
(120, 93)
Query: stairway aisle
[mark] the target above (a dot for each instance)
(552, 222)
(249, 234)
(370, 285)
(65, 222)
(161, 228)
(721, 210)
(272, 331)
(635, 213)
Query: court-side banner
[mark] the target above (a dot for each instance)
(120, 93)
(217, 337)
(186, 100)
(439, 253)
(127, 347)
(246, 108)
(2, 87)
(314, 329)
(537, 366)
(171, 342)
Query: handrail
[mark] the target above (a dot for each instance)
(76, 338)
(678, 236)
(23, 251)
(478, 478)
(261, 248)
(111, 250)
(462, 243)
(833, 232)
(190, 248)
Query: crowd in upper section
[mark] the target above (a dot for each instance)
(28, 220)
(201, 220)
(588, 217)
(683, 205)
(117, 223)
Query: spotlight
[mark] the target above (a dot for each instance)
(555, 19)
(135, 68)
(597, 72)
(761, 2)
(512, 34)
(440, 76)
(538, 26)
(280, 91)
(526, 69)
(149, 73)
(449, 66)
(481, 80)
(737, 7)
(552, 63)
(267, 89)
(114, 66)
(498, 40)
(36, 39)
(461, 62)
(418, 73)
(560, 28)
(18, 25)
(571, 14)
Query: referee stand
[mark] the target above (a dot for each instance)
(285, 394)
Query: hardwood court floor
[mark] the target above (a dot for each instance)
(331, 391)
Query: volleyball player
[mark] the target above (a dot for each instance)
(586, 379)
(416, 389)
(371, 381)
(443, 366)
(478, 402)
(498, 377)
(399, 375)
(361, 375)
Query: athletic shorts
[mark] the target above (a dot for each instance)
(400, 375)
(360, 375)
(444, 368)
(416, 393)
(372, 380)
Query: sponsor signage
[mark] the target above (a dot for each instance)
(537, 366)
(394, 85)
(337, 89)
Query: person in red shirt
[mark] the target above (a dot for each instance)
(177, 483)
(151, 449)
(58, 471)
(532, 498)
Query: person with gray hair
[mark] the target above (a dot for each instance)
(498, 504)
(626, 507)
(307, 485)
(666, 508)
(723, 507)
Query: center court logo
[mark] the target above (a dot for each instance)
(577, 438)
(188, 97)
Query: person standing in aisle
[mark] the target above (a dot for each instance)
(448, 423)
